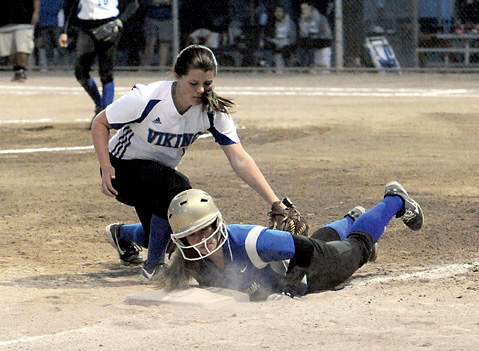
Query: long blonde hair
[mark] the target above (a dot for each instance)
(180, 272)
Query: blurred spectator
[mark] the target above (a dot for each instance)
(213, 15)
(315, 37)
(374, 17)
(218, 15)
(17, 21)
(206, 37)
(235, 32)
(467, 16)
(354, 31)
(158, 29)
(323, 6)
(47, 32)
(435, 16)
(280, 38)
(132, 40)
(287, 5)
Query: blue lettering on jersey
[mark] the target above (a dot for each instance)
(188, 139)
(168, 138)
(171, 140)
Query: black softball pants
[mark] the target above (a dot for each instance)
(148, 186)
(333, 261)
(87, 49)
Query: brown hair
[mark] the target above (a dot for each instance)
(200, 57)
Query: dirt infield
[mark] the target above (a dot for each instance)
(329, 142)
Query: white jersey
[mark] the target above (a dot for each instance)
(97, 9)
(151, 128)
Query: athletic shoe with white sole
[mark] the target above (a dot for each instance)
(129, 252)
(355, 212)
(411, 213)
(153, 273)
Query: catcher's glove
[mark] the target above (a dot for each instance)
(284, 216)
(108, 32)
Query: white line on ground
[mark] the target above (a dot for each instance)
(14, 121)
(270, 91)
(433, 273)
(38, 337)
(58, 149)
(41, 120)
(47, 149)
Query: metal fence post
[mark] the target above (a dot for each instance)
(415, 31)
(338, 42)
(176, 29)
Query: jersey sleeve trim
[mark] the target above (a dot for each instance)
(149, 106)
(220, 138)
(250, 246)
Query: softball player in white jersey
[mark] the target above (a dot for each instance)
(90, 15)
(156, 123)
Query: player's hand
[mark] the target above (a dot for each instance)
(107, 174)
(63, 40)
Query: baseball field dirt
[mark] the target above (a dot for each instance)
(329, 142)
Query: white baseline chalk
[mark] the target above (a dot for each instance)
(46, 149)
(39, 337)
(432, 273)
(272, 91)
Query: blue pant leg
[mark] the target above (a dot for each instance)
(133, 232)
(108, 94)
(342, 227)
(159, 239)
(375, 220)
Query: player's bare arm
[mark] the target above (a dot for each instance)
(101, 135)
(247, 169)
(36, 12)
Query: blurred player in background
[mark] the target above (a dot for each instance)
(46, 33)
(156, 123)
(272, 264)
(158, 31)
(17, 21)
(90, 16)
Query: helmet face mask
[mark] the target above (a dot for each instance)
(190, 212)
(194, 252)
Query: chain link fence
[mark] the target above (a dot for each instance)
(423, 33)
(391, 19)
